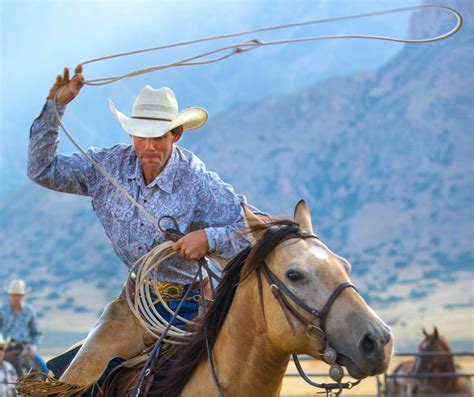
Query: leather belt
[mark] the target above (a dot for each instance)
(168, 290)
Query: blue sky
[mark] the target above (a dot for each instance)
(39, 38)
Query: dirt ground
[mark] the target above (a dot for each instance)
(295, 386)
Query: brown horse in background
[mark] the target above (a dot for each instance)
(432, 364)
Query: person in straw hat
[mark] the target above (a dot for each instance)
(164, 178)
(7, 372)
(18, 321)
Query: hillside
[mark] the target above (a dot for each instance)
(384, 159)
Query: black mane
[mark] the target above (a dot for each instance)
(171, 377)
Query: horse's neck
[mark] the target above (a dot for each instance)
(247, 364)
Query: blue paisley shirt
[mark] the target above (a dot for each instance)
(22, 326)
(195, 197)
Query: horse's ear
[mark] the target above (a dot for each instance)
(425, 333)
(302, 216)
(253, 221)
(436, 334)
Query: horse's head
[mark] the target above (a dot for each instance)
(306, 274)
(433, 343)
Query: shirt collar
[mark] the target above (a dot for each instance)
(164, 179)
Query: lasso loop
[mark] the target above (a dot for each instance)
(150, 262)
(239, 48)
(145, 271)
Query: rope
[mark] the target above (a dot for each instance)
(240, 48)
(104, 173)
(143, 307)
(147, 266)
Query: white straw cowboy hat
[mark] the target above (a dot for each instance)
(155, 112)
(17, 287)
(3, 342)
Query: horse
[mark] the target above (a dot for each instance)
(432, 364)
(16, 354)
(253, 334)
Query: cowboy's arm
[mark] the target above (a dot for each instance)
(34, 331)
(223, 214)
(66, 173)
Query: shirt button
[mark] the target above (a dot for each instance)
(140, 248)
(145, 201)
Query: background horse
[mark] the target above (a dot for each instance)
(16, 354)
(252, 336)
(433, 364)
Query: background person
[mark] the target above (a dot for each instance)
(18, 321)
(7, 372)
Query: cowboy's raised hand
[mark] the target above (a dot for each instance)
(68, 88)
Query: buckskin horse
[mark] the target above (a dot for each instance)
(253, 329)
(286, 294)
(428, 362)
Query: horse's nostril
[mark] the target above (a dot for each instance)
(387, 336)
(368, 344)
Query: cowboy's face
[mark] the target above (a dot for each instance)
(154, 153)
(16, 299)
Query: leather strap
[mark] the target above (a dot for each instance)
(273, 279)
(281, 292)
(330, 301)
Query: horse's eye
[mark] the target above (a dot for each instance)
(293, 275)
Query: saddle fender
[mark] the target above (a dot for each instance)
(117, 333)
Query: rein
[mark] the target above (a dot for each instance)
(281, 293)
(172, 234)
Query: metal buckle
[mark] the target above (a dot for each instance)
(170, 290)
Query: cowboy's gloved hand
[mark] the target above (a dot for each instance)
(192, 246)
(69, 87)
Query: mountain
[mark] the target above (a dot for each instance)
(383, 157)
(251, 76)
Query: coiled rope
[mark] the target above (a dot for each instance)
(143, 307)
(147, 266)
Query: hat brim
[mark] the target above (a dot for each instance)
(13, 292)
(190, 119)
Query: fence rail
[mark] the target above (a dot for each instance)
(381, 381)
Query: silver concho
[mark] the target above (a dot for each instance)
(329, 355)
(336, 372)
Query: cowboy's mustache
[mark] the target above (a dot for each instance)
(149, 154)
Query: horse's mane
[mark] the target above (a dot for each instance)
(171, 377)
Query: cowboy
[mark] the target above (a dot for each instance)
(7, 372)
(162, 177)
(18, 321)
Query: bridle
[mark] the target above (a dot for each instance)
(290, 303)
(283, 295)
